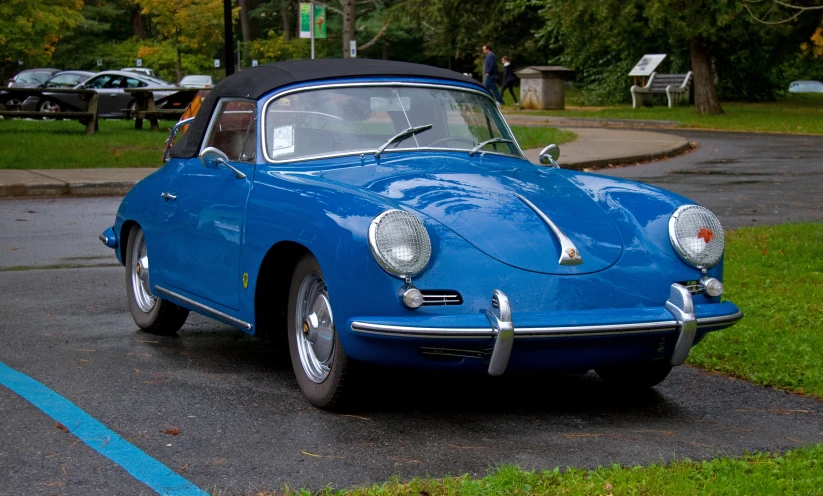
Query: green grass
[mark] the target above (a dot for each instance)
(63, 145)
(799, 114)
(775, 275)
(795, 472)
(539, 137)
(29, 144)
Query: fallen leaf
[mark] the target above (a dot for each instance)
(86, 350)
(156, 381)
(355, 416)
(322, 456)
(184, 468)
(795, 440)
(62, 427)
(218, 462)
(13, 249)
(174, 431)
(169, 445)
(64, 472)
(138, 354)
(651, 431)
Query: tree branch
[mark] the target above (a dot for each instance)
(376, 37)
(799, 8)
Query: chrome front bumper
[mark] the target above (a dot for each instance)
(501, 328)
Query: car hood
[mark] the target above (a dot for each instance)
(482, 203)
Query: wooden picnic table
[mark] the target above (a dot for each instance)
(87, 116)
(146, 108)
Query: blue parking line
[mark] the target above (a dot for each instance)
(102, 439)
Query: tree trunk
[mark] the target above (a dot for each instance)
(244, 20)
(137, 26)
(385, 53)
(705, 94)
(349, 18)
(179, 65)
(286, 14)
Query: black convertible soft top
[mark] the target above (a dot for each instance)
(254, 82)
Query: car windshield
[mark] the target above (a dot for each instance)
(33, 77)
(361, 119)
(196, 80)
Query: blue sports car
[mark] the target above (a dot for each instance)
(383, 213)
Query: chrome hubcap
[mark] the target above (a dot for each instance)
(51, 107)
(140, 275)
(314, 328)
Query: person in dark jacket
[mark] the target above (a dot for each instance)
(508, 78)
(490, 72)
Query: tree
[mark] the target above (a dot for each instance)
(31, 29)
(189, 25)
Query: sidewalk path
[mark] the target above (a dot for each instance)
(594, 148)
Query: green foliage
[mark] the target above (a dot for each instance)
(30, 29)
(775, 275)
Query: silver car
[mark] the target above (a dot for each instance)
(806, 87)
(114, 102)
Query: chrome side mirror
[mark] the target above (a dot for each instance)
(549, 155)
(213, 158)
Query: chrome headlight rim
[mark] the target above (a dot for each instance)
(678, 246)
(381, 259)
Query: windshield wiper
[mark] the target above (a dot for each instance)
(488, 142)
(402, 135)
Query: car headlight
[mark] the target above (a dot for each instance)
(400, 243)
(696, 236)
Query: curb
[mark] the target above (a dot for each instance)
(114, 188)
(628, 159)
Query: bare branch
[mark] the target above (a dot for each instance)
(376, 37)
(799, 8)
(329, 7)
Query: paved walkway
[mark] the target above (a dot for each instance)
(594, 148)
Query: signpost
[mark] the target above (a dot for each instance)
(312, 15)
(353, 49)
(254, 63)
(217, 63)
(99, 62)
(139, 63)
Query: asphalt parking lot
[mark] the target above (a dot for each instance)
(222, 409)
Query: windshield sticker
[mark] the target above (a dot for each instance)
(282, 141)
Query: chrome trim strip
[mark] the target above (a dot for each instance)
(499, 314)
(359, 152)
(681, 305)
(104, 239)
(569, 254)
(224, 317)
(524, 332)
(719, 320)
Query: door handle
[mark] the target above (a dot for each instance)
(168, 196)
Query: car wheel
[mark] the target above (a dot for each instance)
(317, 357)
(149, 312)
(13, 104)
(48, 106)
(637, 375)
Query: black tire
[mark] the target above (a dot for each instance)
(162, 317)
(330, 393)
(636, 376)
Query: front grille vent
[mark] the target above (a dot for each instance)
(432, 297)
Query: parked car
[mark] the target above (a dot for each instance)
(383, 213)
(28, 78)
(196, 81)
(140, 70)
(62, 79)
(806, 87)
(31, 78)
(114, 102)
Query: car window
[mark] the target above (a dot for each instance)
(99, 81)
(133, 83)
(359, 119)
(63, 81)
(232, 130)
(33, 77)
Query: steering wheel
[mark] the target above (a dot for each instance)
(453, 138)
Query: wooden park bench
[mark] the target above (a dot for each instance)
(674, 86)
(87, 116)
(145, 108)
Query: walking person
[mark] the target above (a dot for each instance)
(508, 78)
(490, 73)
